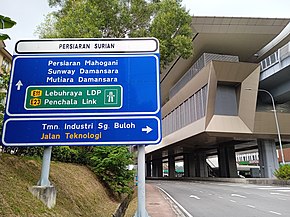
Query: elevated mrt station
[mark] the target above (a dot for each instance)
(213, 103)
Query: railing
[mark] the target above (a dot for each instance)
(276, 57)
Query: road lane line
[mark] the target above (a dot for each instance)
(180, 207)
(276, 193)
(233, 201)
(195, 197)
(251, 206)
(277, 213)
(237, 195)
(273, 188)
(220, 197)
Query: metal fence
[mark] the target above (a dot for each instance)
(276, 57)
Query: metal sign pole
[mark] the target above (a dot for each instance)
(45, 167)
(141, 210)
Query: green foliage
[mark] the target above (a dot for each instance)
(4, 80)
(110, 163)
(65, 154)
(171, 25)
(5, 23)
(166, 20)
(283, 173)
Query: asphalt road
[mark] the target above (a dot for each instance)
(214, 199)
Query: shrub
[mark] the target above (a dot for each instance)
(283, 173)
(110, 165)
(65, 154)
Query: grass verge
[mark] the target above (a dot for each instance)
(78, 191)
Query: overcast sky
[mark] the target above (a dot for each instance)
(30, 13)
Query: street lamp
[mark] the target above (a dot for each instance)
(276, 120)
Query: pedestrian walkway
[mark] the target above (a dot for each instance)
(156, 204)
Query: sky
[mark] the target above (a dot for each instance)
(30, 13)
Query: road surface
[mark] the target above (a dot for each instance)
(214, 199)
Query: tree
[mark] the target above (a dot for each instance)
(110, 164)
(4, 80)
(166, 20)
(5, 23)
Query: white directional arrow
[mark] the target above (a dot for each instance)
(147, 129)
(195, 197)
(19, 84)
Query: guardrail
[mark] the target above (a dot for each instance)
(276, 57)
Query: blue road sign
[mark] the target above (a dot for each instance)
(82, 131)
(84, 92)
(138, 75)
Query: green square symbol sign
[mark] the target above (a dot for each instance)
(111, 96)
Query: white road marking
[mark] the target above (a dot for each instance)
(277, 213)
(276, 193)
(237, 195)
(233, 201)
(209, 194)
(284, 190)
(220, 197)
(195, 197)
(273, 188)
(180, 207)
(251, 206)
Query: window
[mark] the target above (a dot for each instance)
(5, 65)
(226, 100)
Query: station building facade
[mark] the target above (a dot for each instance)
(211, 104)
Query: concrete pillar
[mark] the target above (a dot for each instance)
(160, 168)
(154, 168)
(157, 168)
(47, 194)
(189, 164)
(201, 169)
(268, 159)
(148, 169)
(171, 166)
(227, 161)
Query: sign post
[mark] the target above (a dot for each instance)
(141, 208)
(84, 92)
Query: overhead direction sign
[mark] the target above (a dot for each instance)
(88, 80)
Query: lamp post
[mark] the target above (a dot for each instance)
(276, 121)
